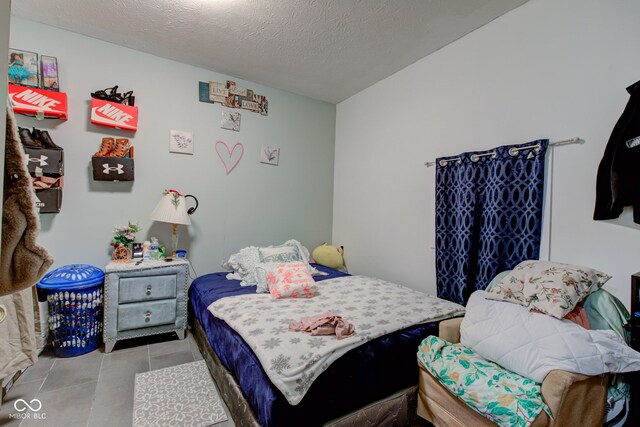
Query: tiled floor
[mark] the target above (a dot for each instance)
(95, 389)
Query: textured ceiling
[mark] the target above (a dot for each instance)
(325, 49)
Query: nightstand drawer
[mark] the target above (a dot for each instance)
(147, 288)
(145, 314)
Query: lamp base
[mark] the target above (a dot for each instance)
(174, 240)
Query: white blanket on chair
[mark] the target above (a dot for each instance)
(533, 344)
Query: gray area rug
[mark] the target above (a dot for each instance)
(182, 395)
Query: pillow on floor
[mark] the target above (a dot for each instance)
(549, 287)
(534, 344)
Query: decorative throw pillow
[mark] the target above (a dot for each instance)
(549, 287)
(245, 261)
(497, 279)
(291, 280)
(243, 265)
(289, 251)
(281, 254)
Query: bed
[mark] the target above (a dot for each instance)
(375, 383)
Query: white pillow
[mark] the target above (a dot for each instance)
(533, 344)
(244, 262)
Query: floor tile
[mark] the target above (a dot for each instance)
(194, 347)
(113, 405)
(166, 343)
(171, 359)
(41, 369)
(20, 390)
(130, 344)
(131, 361)
(73, 370)
(66, 407)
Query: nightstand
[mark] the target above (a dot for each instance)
(145, 299)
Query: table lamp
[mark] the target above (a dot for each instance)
(172, 208)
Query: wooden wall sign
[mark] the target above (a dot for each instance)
(233, 96)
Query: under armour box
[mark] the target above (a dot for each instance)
(44, 161)
(112, 168)
(49, 200)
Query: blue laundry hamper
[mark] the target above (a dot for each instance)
(74, 297)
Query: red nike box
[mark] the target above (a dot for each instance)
(32, 102)
(114, 115)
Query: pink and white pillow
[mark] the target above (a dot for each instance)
(291, 280)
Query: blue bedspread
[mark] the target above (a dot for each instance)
(365, 374)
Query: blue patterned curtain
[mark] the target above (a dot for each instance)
(488, 215)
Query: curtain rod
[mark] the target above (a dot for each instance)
(513, 151)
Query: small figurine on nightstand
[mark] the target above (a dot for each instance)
(123, 236)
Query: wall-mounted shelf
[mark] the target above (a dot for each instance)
(38, 103)
(112, 168)
(114, 115)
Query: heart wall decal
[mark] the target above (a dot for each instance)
(229, 157)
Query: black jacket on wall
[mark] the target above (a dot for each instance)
(618, 182)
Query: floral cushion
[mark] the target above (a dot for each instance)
(503, 397)
(549, 287)
(291, 280)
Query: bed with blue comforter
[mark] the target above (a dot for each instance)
(372, 371)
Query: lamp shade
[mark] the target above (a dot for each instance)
(172, 208)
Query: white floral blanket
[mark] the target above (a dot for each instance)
(293, 360)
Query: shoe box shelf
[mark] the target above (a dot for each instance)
(112, 168)
(114, 115)
(38, 103)
(48, 165)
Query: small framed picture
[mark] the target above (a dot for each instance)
(49, 73)
(230, 121)
(181, 142)
(136, 250)
(23, 68)
(269, 155)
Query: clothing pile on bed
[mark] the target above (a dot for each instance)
(521, 324)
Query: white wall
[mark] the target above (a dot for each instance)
(254, 204)
(550, 68)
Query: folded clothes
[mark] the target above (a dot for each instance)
(324, 324)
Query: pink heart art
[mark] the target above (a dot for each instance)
(228, 156)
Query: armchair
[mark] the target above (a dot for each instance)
(573, 399)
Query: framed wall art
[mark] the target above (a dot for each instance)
(23, 68)
(181, 142)
(49, 73)
(269, 155)
(231, 121)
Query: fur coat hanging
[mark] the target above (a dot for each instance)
(22, 261)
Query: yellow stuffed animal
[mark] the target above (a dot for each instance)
(329, 256)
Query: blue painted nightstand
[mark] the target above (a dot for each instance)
(145, 299)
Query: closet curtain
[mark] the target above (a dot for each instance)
(488, 215)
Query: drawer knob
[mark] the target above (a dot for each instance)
(148, 289)
(147, 316)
